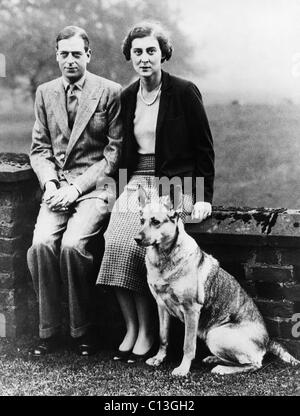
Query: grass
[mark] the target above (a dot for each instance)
(65, 374)
(257, 155)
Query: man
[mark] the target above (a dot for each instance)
(75, 147)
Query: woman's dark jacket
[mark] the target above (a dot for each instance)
(184, 144)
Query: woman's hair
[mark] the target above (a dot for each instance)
(70, 31)
(148, 28)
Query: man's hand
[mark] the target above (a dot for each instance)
(50, 190)
(63, 198)
(201, 211)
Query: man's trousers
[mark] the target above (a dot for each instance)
(60, 253)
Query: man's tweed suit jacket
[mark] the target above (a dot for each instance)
(89, 153)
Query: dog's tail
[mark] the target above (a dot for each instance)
(278, 350)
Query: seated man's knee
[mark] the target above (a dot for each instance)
(72, 242)
(43, 241)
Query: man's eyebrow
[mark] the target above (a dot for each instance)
(70, 51)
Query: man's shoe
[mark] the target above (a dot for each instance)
(85, 345)
(46, 346)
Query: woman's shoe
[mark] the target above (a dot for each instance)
(138, 358)
(122, 355)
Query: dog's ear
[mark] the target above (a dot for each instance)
(174, 215)
(166, 201)
(142, 197)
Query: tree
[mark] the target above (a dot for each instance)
(28, 29)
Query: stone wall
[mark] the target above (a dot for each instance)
(19, 201)
(260, 247)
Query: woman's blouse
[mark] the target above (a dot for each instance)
(145, 120)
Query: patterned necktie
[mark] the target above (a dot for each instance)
(72, 103)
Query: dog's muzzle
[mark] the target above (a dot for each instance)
(138, 240)
(142, 241)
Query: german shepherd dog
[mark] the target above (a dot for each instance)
(190, 284)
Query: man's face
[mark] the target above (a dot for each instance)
(72, 58)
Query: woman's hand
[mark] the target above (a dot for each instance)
(201, 211)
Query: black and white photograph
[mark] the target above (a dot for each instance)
(151, 269)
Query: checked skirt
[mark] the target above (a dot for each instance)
(123, 263)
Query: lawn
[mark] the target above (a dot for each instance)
(65, 374)
(257, 155)
(257, 152)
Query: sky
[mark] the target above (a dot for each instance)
(250, 49)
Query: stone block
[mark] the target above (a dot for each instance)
(267, 255)
(270, 273)
(291, 256)
(282, 328)
(274, 308)
(278, 291)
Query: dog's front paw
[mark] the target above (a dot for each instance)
(181, 371)
(156, 360)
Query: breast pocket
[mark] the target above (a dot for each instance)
(98, 122)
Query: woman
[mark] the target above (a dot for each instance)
(166, 134)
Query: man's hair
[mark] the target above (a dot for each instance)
(148, 28)
(70, 31)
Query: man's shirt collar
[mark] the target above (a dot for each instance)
(79, 84)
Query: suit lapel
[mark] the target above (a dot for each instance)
(89, 99)
(58, 102)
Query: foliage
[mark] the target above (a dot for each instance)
(28, 29)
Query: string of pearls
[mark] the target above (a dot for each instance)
(154, 99)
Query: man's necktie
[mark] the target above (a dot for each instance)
(72, 103)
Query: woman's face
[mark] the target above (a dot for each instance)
(146, 56)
